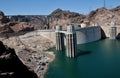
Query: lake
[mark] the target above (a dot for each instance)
(99, 59)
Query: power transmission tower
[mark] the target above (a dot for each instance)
(104, 4)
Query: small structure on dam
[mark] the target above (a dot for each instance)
(59, 38)
(71, 42)
(112, 31)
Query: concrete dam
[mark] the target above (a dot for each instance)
(75, 36)
(71, 37)
(83, 35)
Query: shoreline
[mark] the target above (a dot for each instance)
(51, 60)
(51, 57)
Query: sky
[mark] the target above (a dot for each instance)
(45, 7)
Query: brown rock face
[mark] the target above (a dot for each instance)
(11, 66)
(64, 14)
(1, 15)
(104, 16)
(22, 26)
(5, 29)
(65, 17)
(3, 19)
(116, 10)
(46, 21)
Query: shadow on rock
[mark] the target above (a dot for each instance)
(11, 66)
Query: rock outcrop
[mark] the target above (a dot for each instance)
(64, 17)
(22, 26)
(49, 21)
(66, 14)
(5, 29)
(3, 18)
(104, 16)
(116, 10)
(1, 15)
(11, 66)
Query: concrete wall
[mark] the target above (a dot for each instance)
(107, 32)
(118, 32)
(49, 34)
(84, 35)
(88, 34)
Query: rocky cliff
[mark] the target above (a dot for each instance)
(104, 16)
(49, 21)
(11, 66)
(65, 17)
(3, 18)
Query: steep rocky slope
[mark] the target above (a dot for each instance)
(31, 48)
(64, 17)
(49, 21)
(3, 18)
(11, 66)
(104, 16)
(116, 10)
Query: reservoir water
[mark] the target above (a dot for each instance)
(99, 59)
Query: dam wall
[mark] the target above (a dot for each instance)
(88, 34)
(106, 31)
(118, 32)
(49, 34)
(84, 35)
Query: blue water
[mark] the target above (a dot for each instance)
(101, 59)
